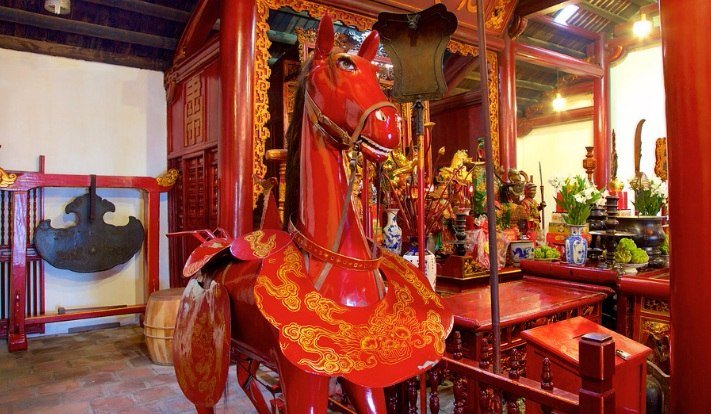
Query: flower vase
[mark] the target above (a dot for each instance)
(576, 246)
(392, 233)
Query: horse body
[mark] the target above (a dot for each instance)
(291, 295)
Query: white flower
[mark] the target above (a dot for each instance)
(555, 182)
(580, 198)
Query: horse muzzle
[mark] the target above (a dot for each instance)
(372, 151)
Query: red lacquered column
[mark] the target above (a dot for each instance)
(687, 80)
(601, 117)
(509, 128)
(237, 41)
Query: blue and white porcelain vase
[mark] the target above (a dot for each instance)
(392, 233)
(576, 246)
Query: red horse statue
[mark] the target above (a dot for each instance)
(316, 300)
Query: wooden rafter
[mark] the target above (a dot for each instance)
(642, 3)
(74, 52)
(553, 46)
(86, 29)
(613, 17)
(567, 29)
(534, 86)
(534, 7)
(145, 8)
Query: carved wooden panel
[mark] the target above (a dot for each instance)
(194, 111)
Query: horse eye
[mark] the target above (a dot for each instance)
(346, 64)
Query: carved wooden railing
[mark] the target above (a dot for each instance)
(476, 389)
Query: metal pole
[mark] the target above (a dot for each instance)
(490, 209)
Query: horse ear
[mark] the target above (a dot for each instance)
(324, 40)
(370, 46)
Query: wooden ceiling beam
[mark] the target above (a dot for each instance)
(456, 70)
(614, 18)
(554, 60)
(535, 7)
(642, 3)
(145, 8)
(534, 86)
(74, 52)
(85, 29)
(555, 47)
(554, 118)
(567, 29)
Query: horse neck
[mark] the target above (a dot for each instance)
(323, 187)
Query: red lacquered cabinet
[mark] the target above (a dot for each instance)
(559, 343)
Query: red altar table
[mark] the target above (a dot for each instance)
(524, 303)
(559, 343)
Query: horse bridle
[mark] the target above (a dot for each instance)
(329, 129)
(332, 130)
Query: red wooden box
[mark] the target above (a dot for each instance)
(559, 343)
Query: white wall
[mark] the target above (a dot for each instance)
(560, 149)
(87, 118)
(637, 92)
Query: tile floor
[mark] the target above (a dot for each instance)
(102, 371)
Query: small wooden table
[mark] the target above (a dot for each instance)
(559, 343)
(524, 303)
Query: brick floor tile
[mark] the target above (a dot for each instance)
(98, 378)
(20, 394)
(125, 387)
(29, 380)
(70, 372)
(178, 404)
(112, 404)
(160, 379)
(154, 394)
(89, 393)
(132, 373)
(58, 386)
(43, 403)
(140, 361)
(73, 407)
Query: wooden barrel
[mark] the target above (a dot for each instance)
(159, 324)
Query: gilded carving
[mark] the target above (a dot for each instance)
(169, 178)
(362, 23)
(6, 179)
(260, 248)
(660, 155)
(655, 305)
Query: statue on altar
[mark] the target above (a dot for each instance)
(532, 210)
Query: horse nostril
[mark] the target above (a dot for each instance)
(380, 115)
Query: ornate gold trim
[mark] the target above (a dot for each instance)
(6, 179)
(169, 178)
(360, 22)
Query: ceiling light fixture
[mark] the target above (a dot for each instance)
(58, 6)
(565, 14)
(558, 102)
(642, 27)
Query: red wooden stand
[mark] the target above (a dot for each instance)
(28, 181)
(559, 343)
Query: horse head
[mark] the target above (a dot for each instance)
(344, 99)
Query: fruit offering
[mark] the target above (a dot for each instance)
(628, 252)
(545, 252)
